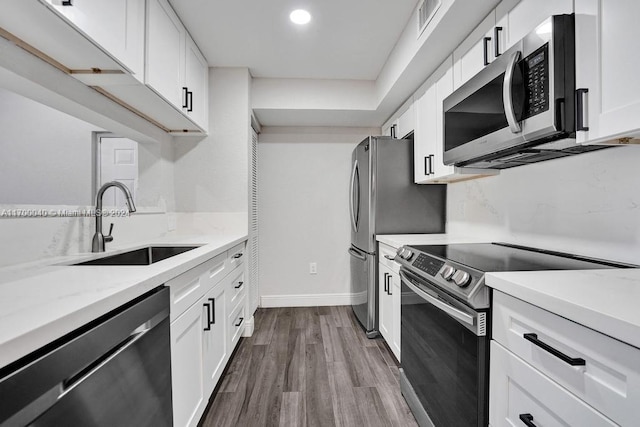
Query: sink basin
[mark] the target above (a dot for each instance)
(142, 256)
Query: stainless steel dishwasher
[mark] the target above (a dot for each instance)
(115, 371)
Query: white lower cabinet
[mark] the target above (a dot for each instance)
(188, 365)
(389, 299)
(520, 394)
(558, 371)
(208, 318)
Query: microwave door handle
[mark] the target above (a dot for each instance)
(507, 99)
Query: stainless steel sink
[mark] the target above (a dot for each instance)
(142, 256)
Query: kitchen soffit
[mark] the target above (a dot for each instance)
(344, 40)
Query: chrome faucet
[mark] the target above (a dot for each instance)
(97, 245)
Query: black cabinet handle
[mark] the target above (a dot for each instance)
(496, 43)
(239, 285)
(385, 281)
(190, 101)
(580, 115)
(389, 285)
(208, 327)
(66, 3)
(213, 310)
(185, 96)
(527, 419)
(431, 157)
(240, 321)
(570, 360)
(426, 165)
(238, 255)
(485, 43)
(393, 131)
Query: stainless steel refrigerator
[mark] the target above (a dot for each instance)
(385, 200)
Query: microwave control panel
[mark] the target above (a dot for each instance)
(536, 78)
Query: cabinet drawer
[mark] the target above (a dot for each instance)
(388, 251)
(236, 256)
(609, 380)
(236, 288)
(236, 324)
(518, 390)
(190, 286)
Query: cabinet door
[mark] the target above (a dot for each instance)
(188, 365)
(385, 308)
(165, 52)
(196, 82)
(424, 141)
(517, 392)
(395, 323)
(524, 17)
(215, 338)
(116, 25)
(476, 50)
(607, 64)
(444, 88)
(406, 123)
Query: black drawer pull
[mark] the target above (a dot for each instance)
(580, 114)
(560, 355)
(527, 419)
(485, 46)
(67, 3)
(238, 255)
(496, 44)
(239, 285)
(240, 321)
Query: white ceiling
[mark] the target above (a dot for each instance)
(346, 39)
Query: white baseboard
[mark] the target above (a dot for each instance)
(312, 300)
(249, 326)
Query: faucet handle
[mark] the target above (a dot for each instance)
(109, 237)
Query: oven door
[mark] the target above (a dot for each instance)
(445, 359)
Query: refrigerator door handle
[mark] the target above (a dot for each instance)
(355, 210)
(357, 254)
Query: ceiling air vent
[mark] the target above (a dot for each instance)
(427, 9)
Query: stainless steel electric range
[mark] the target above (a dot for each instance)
(445, 323)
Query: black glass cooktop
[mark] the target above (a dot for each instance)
(494, 257)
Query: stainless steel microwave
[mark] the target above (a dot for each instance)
(521, 108)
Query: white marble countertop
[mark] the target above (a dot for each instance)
(603, 300)
(44, 301)
(397, 240)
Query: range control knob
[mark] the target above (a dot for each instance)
(461, 278)
(447, 272)
(407, 254)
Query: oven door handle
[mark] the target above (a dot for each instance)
(447, 308)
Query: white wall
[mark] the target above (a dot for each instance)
(46, 154)
(303, 180)
(212, 175)
(588, 204)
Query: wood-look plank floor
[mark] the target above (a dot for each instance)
(309, 366)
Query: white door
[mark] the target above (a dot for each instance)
(118, 161)
(396, 303)
(444, 88)
(385, 309)
(475, 51)
(425, 135)
(253, 264)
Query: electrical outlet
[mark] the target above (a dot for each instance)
(313, 268)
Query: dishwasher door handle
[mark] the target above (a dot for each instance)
(69, 384)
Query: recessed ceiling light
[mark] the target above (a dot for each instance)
(300, 17)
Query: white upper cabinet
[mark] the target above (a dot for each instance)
(175, 67)
(165, 52)
(475, 52)
(607, 64)
(406, 123)
(116, 25)
(429, 164)
(196, 83)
